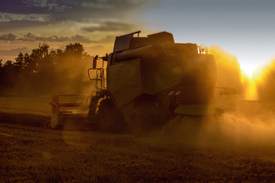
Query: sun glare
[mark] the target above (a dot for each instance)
(250, 89)
(250, 92)
(248, 69)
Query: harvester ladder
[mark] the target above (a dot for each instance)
(97, 93)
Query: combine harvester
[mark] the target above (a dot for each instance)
(147, 81)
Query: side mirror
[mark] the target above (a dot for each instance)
(94, 61)
(106, 57)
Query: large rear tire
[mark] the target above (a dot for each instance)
(148, 115)
(110, 118)
(138, 124)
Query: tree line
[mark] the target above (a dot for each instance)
(45, 71)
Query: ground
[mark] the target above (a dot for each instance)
(31, 153)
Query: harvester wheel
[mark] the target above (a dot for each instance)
(143, 124)
(137, 126)
(110, 118)
(148, 115)
(102, 119)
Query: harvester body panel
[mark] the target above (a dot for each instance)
(124, 82)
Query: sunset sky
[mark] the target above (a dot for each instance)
(244, 28)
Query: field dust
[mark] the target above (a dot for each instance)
(250, 124)
(248, 119)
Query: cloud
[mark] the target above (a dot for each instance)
(48, 5)
(33, 10)
(111, 27)
(8, 37)
(98, 5)
(119, 10)
(30, 37)
(44, 3)
(33, 6)
(7, 17)
(62, 10)
(116, 5)
(84, 15)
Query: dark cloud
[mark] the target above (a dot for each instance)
(15, 6)
(33, 38)
(73, 10)
(8, 17)
(8, 37)
(27, 14)
(30, 37)
(50, 5)
(35, 6)
(83, 17)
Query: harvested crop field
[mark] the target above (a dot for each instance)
(32, 111)
(234, 150)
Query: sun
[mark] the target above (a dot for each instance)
(248, 69)
(249, 82)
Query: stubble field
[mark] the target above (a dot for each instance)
(236, 148)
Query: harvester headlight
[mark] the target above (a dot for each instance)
(203, 49)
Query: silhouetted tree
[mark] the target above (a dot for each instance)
(19, 64)
(60, 56)
(1, 74)
(9, 75)
(9, 66)
(75, 50)
(45, 70)
(44, 49)
(29, 64)
(74, 53)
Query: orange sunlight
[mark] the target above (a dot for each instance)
(258, 83)
(249, 87)
(248, 70)
(231, 74)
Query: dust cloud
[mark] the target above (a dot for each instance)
(264, 79)
(249, 118)
(229, 73)
(73, 79)
(228, 130)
